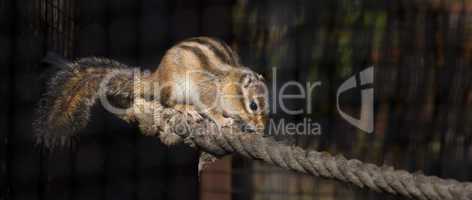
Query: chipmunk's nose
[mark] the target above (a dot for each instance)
(246, 127)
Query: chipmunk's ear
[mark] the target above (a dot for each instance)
(251, 79)
(246, 80)
(260, 77)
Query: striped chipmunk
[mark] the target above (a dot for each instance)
(201, 74)
(205, 74)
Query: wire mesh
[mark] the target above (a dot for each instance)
(56, 20)
(422, 52)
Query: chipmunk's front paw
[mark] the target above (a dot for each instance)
(227, 122)
(189, 111)
(194, 115)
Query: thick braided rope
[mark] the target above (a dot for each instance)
(199, 134)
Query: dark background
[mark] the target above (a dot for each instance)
(422, 53)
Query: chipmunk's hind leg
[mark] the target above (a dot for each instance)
(166, 96)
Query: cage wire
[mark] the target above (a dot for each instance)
(56, 20)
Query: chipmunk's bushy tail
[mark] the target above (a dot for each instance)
(71, 93)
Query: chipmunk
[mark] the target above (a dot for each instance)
(204, 73)
(200, 73)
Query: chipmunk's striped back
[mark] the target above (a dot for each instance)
(219, 48)
(211, 54)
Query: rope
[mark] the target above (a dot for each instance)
(200, 134)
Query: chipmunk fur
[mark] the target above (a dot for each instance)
(201, 73)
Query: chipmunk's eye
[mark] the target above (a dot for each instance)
(253, 106)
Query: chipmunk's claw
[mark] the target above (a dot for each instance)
(195, 115)
(227, 122)
(189, 111)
